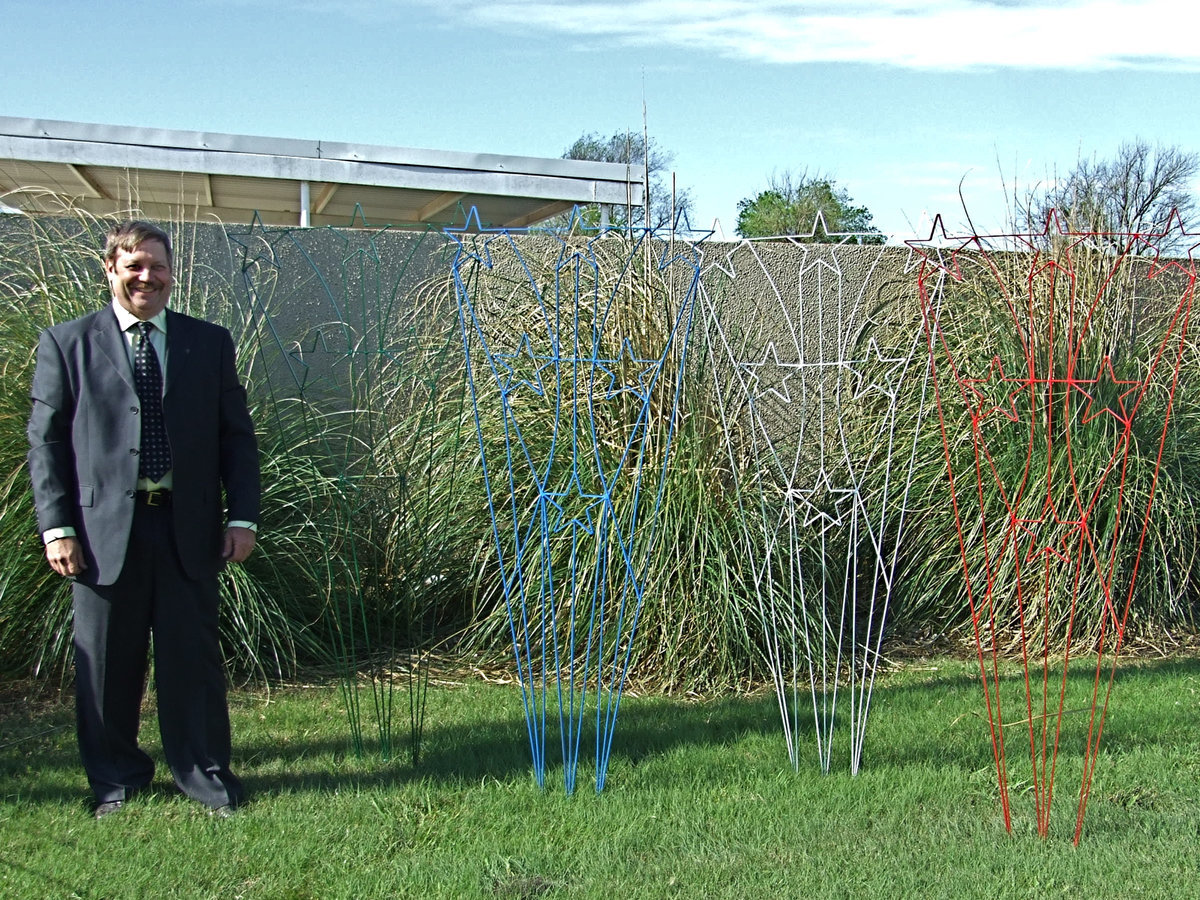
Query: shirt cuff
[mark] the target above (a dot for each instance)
(237, 523)
(50, 535)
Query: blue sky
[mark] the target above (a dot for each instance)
(901, 102)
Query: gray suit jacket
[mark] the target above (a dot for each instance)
(85, 430)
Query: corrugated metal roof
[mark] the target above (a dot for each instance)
(185, 175)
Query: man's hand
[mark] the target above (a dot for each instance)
(239, 543)
(66, 556)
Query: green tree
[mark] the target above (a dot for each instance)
(666, 206)
(810, 208)
(1134, 192)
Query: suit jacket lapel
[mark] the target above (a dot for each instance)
(179, 349)
(109, 340)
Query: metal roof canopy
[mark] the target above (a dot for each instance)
(111, 169)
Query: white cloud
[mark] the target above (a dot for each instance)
(946, 35)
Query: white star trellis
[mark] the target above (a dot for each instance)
(790, 373)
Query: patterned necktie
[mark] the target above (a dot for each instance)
(155, 457)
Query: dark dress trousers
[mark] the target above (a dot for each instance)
(149, 569)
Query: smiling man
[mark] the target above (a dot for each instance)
(145, 477)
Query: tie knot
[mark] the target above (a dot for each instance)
(144, 328)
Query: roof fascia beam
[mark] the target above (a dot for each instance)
(537, 215)
(438, 204)
(324, 198)
(95, 191)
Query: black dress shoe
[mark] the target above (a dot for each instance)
(108, 808)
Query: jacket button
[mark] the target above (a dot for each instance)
(134, 410)
(133, 451)
(131, 494)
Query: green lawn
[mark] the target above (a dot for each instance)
(700, 802)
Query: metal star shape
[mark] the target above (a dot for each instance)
(1124, 411)
(760, 374)
(530, 375)
(813, 501)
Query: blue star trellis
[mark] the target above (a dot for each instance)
(575, 350)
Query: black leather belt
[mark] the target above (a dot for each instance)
(161, 497)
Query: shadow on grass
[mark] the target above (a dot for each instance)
(496, 747)
(937, 720)
(37, 744)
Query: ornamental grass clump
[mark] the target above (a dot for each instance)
(1068, 407)
(582, 343)
(274, 611)
(49, 272)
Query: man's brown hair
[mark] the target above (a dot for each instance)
(128, 236)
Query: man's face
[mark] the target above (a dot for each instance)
(141, 278)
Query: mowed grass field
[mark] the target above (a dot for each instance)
(700, 801)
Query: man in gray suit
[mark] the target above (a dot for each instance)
(145, 477)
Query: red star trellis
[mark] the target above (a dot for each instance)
(1059, 429)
